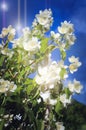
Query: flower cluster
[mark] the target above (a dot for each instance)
(7, 86)
(75, 86)
(31, 79)
(65, 36)
(44, 18)
(73, 67)
(9, 32)
(49, 78)
(29, 45)
(43, 21)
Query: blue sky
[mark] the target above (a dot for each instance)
(70, 10)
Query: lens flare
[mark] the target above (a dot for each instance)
(4, 6)
(18, 28)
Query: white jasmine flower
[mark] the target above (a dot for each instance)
(44, 18)
(32, 45)
(48, 75)
(4, 32)
(10, 37)
(46, 96)
(39, 80)
(63, 68)
(39, 100)
(73, 59)
(66, 28)
(56, 36)
(71, 86)
(74, 64)
(60, 126)
(75, 86)
(70, 38)
(10, 31)
(47, 99)
(61, 64)
(52, 101)
(64, 99)
(62, 46)
(6, 85)
(73, 67)
(18, 42)
(12, 87)
(7, 51)
(26, 33)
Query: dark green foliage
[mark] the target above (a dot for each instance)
(74, 116)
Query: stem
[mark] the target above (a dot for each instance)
(3, 101)
(11, 74)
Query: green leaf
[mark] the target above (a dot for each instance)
(62, 72)
(44, 44)
(68, 93)
(51, 116)
(30, 86)
(30, 114)
(40, 124)
(50, 48)
(2, 111)
(83, 127)
(2, 124)
(1, 60)
(67, 46)
(58, 107)
(28, 81)
(18, 90)
(63, 54)
(7, 75)
(29, 89)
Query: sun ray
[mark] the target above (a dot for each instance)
(19, 12)
(19, 26)
(4, 8)
(25, 13)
